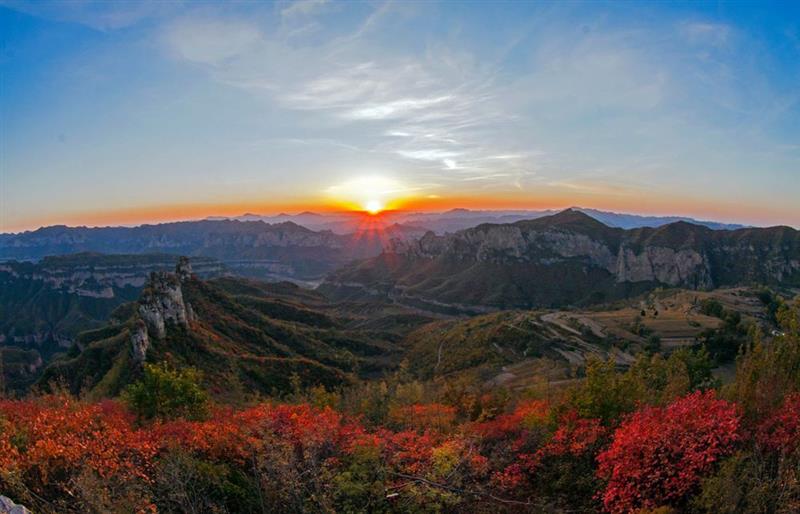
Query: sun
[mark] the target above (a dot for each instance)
(370, 194)
(373, 206)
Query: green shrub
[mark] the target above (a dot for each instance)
(166, 393)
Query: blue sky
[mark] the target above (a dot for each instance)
(117, 112)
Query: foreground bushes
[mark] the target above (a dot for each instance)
(58, 454)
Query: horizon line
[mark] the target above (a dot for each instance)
(334, 212)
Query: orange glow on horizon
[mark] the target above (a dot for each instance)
(642, 205)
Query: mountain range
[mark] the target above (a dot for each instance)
(301, 247)
(390, 277)
(255, 248)
(460, 219)
(568, 258)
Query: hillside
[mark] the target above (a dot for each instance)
(245, 336)
(523, 349)
(568, 259)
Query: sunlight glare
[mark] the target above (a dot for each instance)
(372, 194)
(373, 207)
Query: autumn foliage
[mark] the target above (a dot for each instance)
(658, 455)
(52, 446)
(781, 431)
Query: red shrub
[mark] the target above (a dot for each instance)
(574, 436)
(231, 435)
(658, 455)
(781, 431)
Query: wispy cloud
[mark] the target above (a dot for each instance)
(313, 92)
(442, 107)
(395, 108)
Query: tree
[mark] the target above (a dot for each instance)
(166, 393)
(768, 371)
(605, 394)
(653, 344)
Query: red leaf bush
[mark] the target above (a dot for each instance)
(659, 454)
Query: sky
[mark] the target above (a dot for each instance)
(131, 112)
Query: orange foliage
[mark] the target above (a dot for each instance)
(56, 433)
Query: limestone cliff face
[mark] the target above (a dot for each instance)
(684, 267)
(680, 254)
(102, 279)
(161, 304)
(570, 245)
(282, 235)
(47, 303)
(507, 243)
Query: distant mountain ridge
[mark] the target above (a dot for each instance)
(570, 258)
(281, 250)
(460, 219)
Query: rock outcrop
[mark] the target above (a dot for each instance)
(684, 267)
(140, 342)
(162, 301)
(184, 268)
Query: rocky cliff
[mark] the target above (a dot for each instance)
(43, 306)
(161, 304)
(51, 301)
(572, 258)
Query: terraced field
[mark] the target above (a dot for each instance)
(544, 349)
